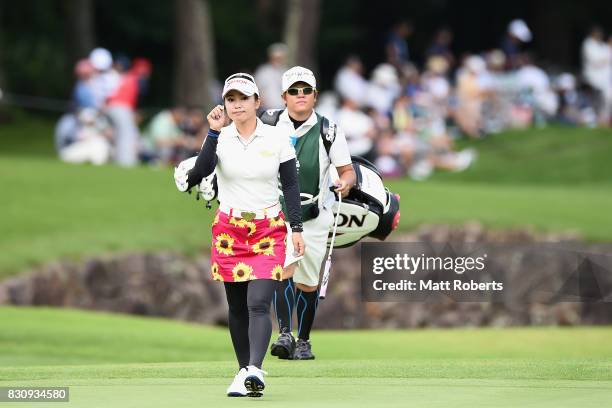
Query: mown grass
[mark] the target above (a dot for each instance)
(133, 361)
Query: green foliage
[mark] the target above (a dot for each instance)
(32, 39)
(36, 59)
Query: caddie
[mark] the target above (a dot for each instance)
(319, 144)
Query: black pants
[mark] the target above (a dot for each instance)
(249, 319)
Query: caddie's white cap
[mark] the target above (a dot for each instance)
(241, 82)
(298, 74)
(519, 29)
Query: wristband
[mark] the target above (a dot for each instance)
(213, 133)
(298, 227)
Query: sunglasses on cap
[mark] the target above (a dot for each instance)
(295, 91)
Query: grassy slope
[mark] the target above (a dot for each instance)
(48, 336)
(550, 156)
(154, 362)
(553, 179)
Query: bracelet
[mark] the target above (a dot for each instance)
(213, 133)
(297, 227)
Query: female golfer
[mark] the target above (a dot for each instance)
(249, 231)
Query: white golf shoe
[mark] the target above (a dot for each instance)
(254, 381)
(237, 387)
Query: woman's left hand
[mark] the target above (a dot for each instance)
(298, 244)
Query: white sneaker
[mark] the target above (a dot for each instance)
(254, 381)
(237, 388)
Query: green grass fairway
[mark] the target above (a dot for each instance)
(122, 361)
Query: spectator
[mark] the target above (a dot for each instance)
(350, 83)
(404, 147)
(597, 70)
(121, 64)
(384, 87)
(92, 144)
(164, 137)
(576, 107)
(498, 105)
(471, 91)
(422, 143)
(327, 105)
(496, 61)
(381, 121)
(517, 35)
(82, 97)
(410, 79)
(391, 153)
(535, 82)
(396, 47)
(121, 107)
(436, 85)
(441, 46)
(83, 93)
(194, 128)
(106, 79)
(269, 77)
(358, 128)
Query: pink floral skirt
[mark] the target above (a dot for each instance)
(245, 250)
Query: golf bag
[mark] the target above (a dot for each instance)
(370, 209)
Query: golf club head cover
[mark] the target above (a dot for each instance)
(180, 173)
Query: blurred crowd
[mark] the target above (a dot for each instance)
(103, 124)
(407, 119)
(403, 117)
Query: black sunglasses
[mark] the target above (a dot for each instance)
(306, 91)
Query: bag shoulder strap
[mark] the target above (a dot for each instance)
(270, 116)
(328, 132)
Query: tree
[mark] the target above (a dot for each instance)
(80, 31)
(194, 53)
(303, 17)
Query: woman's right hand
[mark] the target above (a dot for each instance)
(216, 118)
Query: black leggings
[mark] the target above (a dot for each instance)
(249, 319)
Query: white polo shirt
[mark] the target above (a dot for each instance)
(247, 171)
(339, 154)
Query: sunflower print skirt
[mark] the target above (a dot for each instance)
(245, 250)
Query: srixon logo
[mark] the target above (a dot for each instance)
(352, 220)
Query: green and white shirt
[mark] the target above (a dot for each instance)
(339, 154)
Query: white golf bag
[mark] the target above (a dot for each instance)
(370, 209)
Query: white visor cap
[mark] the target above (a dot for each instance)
(241, 82)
